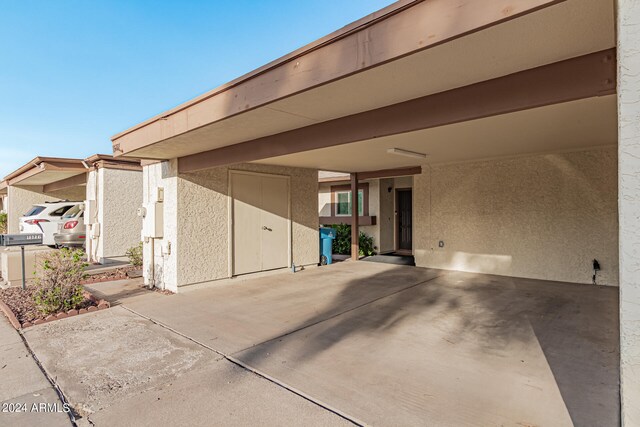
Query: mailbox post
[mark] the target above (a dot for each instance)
(22, 240)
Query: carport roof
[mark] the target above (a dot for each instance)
(3, 187)
(62, 172)
(505, 56)
(111, 162)
(46, 170)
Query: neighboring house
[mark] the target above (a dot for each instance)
(522, 118)
(43, 179)
(384, 207)
(111, 189)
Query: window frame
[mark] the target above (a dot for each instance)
(34, 210)
(349, 202)
(64, 209)
(336, 189)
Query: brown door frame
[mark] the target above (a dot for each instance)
(396, 226)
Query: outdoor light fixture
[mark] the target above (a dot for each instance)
(401, 152)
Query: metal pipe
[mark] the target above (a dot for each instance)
(152, 279)
(152, 272)
(24, 279)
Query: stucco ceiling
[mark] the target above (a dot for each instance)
(562, 31)
(568, 126)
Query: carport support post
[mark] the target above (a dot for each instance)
(355, 243)
(629, 207)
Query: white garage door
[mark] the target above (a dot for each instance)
(260, 222)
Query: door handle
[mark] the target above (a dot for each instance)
(264, 227)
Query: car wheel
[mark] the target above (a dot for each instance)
(323, 260)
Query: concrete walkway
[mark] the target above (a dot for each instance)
(119, 369)
(23, 385)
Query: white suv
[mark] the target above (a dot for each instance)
(44, 218)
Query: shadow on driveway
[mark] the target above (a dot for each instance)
(394, 344)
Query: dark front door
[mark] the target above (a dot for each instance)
(404, 219)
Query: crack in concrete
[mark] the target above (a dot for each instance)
(254, 371)
(71, 414)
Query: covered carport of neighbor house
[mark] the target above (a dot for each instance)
(43, 179)
(111, 189)
(517, 118)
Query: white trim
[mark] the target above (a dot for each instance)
(290, 223)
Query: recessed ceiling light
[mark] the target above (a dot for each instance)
(401, 152)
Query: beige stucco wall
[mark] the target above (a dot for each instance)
(324, 199)
(203, 209)
(544, 217)
(629, 206)
(196, 221)
(374, 210)
(118, 195)
(386, 217)
(20, 199)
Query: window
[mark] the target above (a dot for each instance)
(71, 213)
(35, 210)
(60, 211)
(343, 203)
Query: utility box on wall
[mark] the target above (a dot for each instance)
(153, 224)
(95, 230)
(90, 212)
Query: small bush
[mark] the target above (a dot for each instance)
(342, 242)
(366, 245)
(3, 223)
(58, 279)
(135, 255)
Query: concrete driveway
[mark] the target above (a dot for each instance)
(378, 344)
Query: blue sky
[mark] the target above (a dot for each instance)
(74, 73)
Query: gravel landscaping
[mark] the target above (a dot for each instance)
(116, 274)
(23, 307)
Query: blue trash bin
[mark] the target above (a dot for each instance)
(326, 240)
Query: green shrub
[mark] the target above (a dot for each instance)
(58, 279)
(135, 255)
(366, 245)
(342, 242)
(3, 223)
